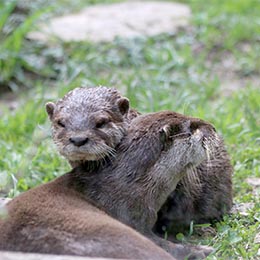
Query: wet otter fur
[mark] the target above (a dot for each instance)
(202, 196)
(56, 219)
(67, 216)
(88, 123)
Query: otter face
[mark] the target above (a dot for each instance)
(87, 127)
(92, 139)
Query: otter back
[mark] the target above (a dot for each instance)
(55, 219)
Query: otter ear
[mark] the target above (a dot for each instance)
(123, 105)
(50, 106)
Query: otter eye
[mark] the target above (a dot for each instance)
(102, 122)
(60, 123)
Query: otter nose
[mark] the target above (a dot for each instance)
(78, 141)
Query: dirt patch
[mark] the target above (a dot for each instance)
(255, 184)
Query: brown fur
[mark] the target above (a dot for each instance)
(202, 199)
(202, 196)
(153, 157)
(88, 123)
(158, 151)
(55, 219)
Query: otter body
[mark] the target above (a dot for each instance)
(159, 150)
(67, 216)
(88, 124)
(201, 197)
(55, 219)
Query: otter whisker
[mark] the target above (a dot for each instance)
(191, 182)
(208, 151)
(111, 152)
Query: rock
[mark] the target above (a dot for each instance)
(3, 211)
(102, 23)
(253, 181)
(257, 238)
(242, 208)
(30, 256)
(3, 201)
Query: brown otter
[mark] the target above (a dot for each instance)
(202, 196)
(59, 217)
(88, 123)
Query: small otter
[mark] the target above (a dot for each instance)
(62, 217)
(202, 196)
(88, 123)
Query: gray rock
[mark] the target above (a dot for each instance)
(242, 208)
(30, 256)
(102, 23)
(3, 201)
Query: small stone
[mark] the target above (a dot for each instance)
(3, 210)
(242, 208)
(33, 256)
(253, 181)
(257, 238)
(4, 201)
(104, 22)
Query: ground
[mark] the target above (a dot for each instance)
(209, 70)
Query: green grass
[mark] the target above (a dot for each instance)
(164, 72)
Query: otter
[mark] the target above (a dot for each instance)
(102, 116)
(68, 215)
(88, 123)
(203, 196)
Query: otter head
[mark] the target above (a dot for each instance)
(88, 123)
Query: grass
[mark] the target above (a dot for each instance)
(165, 72)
